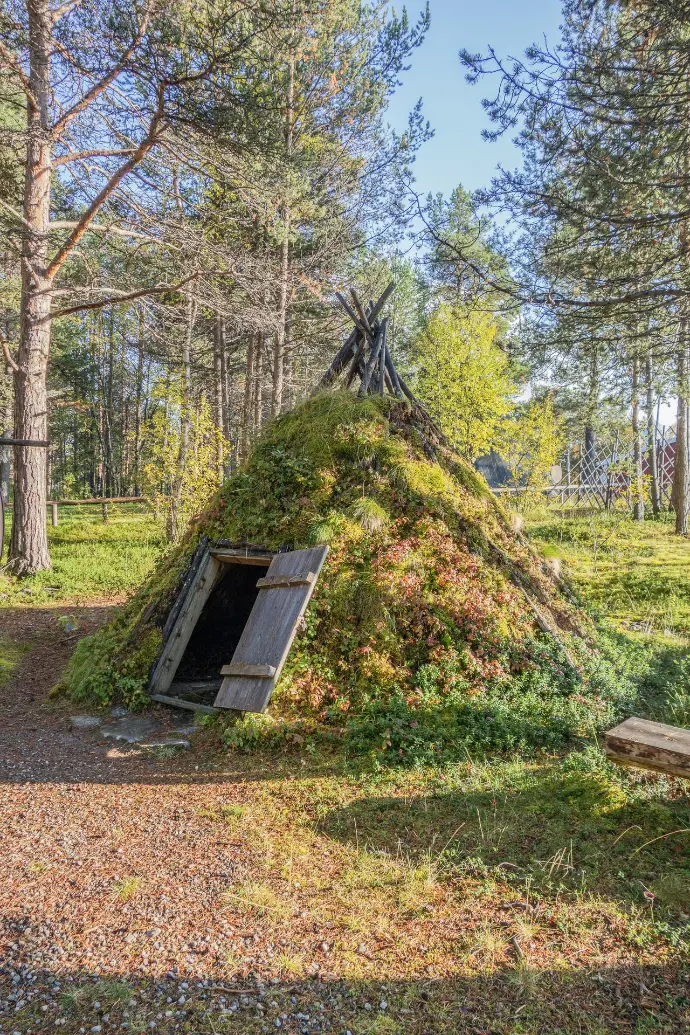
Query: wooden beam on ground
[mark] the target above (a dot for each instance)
(179, 702)
(650, 745)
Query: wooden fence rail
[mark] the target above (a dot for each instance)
(103, 501)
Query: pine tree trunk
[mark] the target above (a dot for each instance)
(137, 406)
(288, 389)
(652, 458)
(174, 513)
(279, 346)
(29, 543)
(638, 494)
(589, 464)
(5, 466)
(218, 347)
(247, 413)
(258, 383)
(681, 467)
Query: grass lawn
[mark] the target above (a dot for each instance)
(494, 895)
(91, 558)
(635, 574)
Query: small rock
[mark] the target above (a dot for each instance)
(85, 722)
(132, 728)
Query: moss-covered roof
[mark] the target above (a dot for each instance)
(430, 609)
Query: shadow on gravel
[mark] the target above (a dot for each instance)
(633, 1000)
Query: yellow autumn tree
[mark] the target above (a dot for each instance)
(532, 443)
(161, 452)
(463, 378)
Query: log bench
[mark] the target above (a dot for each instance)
(650, 745)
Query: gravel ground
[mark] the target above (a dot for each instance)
(114, 868)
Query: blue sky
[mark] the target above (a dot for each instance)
(457, 154)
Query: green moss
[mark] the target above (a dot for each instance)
(411, 617)
(102, 669)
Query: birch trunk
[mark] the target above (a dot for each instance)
(652, 458)
(681, 467)
(638, 489)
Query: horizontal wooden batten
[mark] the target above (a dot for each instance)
(276, 581)
(239, 668)
(650, 745)
(228, 556)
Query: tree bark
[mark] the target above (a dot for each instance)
(279, 346)
(248, 395)
(681, 467)
(589, 464)
(258, 383)
(137, 405)
(638, 494)
(29, 542)
(218, 371)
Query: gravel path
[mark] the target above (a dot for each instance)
(114, 868)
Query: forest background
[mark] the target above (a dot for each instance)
(184, 187)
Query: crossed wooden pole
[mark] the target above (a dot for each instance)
(366, 351)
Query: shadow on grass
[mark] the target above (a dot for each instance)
(544, 830)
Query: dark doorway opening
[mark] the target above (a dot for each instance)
(217, 632)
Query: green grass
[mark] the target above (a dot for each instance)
(11, 653)
(635, 574)
(91, 558)
(635, 579)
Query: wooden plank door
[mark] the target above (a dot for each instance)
(250, 678)
(196, 596)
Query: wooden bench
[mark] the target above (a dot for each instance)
(650, 745)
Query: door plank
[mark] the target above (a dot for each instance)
(198, 593)
(267, 637)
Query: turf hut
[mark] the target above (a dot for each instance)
(358, 579)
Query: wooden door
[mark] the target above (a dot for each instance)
(285, 591)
